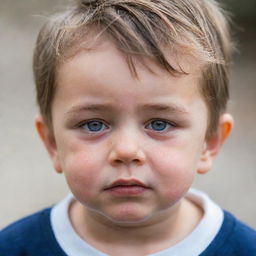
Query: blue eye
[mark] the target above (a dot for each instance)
(94, 126)
(159, 125)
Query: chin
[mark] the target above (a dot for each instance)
(128, 217)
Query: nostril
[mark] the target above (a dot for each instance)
(138, 161)
(135, 161)
(118, 161)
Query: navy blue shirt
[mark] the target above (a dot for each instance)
(33, 236)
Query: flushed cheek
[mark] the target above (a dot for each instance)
(82, 174)
(174, 175)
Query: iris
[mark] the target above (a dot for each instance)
(94, 126)
(159, 125)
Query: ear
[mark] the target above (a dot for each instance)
(47, 136)
(214, 143)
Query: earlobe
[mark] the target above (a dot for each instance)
(214, 143)
(48, 139)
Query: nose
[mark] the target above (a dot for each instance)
(126, 149)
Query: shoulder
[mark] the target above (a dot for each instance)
(234, 238)
(31, 235)
(242, 236)
(26, 223)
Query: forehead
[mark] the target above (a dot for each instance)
(181, 60)
(103, 59)
(101, 48)
(102, 74)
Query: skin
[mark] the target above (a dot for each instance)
(129, 144)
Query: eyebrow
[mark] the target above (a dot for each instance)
(89, 107)
(172, 108)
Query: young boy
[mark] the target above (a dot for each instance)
(132, 97)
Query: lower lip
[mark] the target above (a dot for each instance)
(134, 190)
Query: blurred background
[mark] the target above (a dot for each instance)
(27, 180)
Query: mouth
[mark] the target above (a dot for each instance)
(130, 187)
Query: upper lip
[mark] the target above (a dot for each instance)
(127, 182)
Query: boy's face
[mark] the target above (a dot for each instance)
(129, 147)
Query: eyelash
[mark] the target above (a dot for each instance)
(168, 125)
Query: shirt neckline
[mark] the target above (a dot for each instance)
(194, 244)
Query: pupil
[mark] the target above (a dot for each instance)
(95, 126)
(158, 125)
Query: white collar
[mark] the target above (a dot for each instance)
(194, 244)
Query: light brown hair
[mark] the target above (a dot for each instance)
(141, 28)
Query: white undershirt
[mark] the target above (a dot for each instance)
(194, 244)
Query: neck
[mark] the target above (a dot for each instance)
(163, 231)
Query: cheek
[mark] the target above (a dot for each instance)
(175, 171)
(82, 172)
(171, 162)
